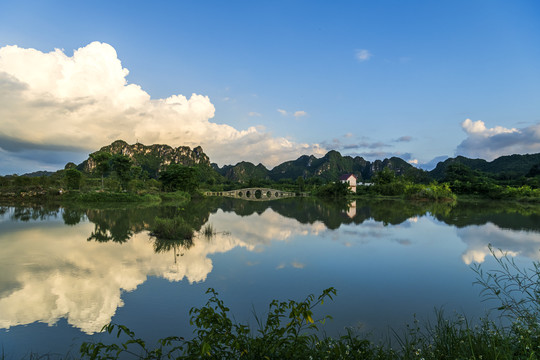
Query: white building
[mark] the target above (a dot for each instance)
(349, 179)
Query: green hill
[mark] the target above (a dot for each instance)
(512, 166)
(329, 168)
(151, 158)
(243, 172)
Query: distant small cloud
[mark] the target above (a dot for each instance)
(298, 265)
(348, 135)
(413, 161)
(282, 112)
(254, 113)
(377, 145)
(404, 139)
(363, 55)
(299, 113)
(280, 266)
(337, 144)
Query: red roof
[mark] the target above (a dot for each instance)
(347, 176)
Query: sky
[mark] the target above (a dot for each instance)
(269, 81)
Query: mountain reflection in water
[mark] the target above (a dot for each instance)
(75, 263)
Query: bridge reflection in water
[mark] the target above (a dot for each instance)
(255, 194)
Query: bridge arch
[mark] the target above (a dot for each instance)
(256, 194)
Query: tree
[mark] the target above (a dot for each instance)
(301, 183)
(179, 177)
(383, 177)
(534, 171)
(73, 179)
(121, 164)
(461, 172)
(101, 158)
(333, 190)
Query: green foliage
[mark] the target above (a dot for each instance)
(333, 190)
(121, 164)
(300, 183)
(433, 192)
(534, 171)
(289, 331)
(178, 197)
(73, 178)
(104, 197)
(179, 177)
(136, 186)
(22, 181)
(172, 229)
(517, 289)
(102, 163)
(384, 177)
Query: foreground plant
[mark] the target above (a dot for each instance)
(290, 331)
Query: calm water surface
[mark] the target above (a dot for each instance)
(66, 272)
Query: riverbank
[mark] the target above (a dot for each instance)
(60, 196)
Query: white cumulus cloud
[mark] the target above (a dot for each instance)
(491, 143)
(363, 55)
(300, 113)
(84, 101)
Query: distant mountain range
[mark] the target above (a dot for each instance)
(155, 158)
(333, 164)
(329, 167)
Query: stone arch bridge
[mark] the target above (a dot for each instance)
(255, 194)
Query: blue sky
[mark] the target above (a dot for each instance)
(273, 80)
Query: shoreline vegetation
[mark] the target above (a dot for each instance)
(138, 173)
(184, 185)
(293, 329)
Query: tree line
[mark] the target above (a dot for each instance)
(119, 173)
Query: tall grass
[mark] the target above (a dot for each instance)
(208, 231)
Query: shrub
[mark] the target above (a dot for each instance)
(179, 197)
(172, 229)
(435, 192)
(335, 190)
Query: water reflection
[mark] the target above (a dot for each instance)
(50, 271)
(58, 277)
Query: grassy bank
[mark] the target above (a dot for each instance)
(179, 198)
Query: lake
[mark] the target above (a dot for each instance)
(67, 271)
